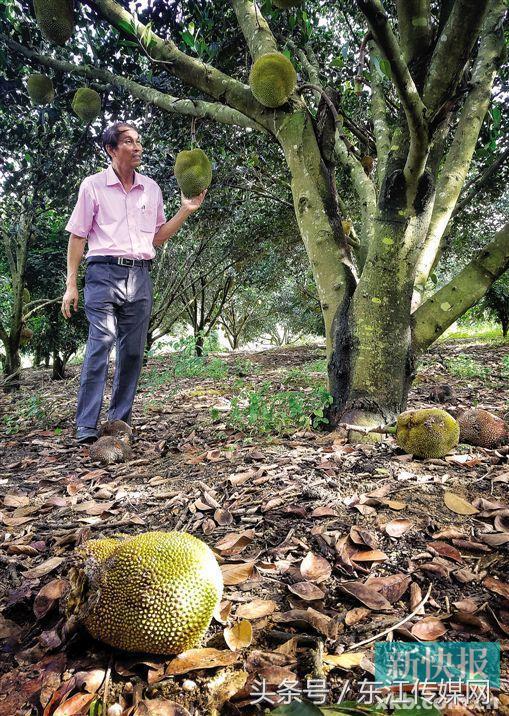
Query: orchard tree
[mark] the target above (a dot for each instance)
(429, 70)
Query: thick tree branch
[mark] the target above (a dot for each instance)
(469, 286)
(191, 107)
(378, 111)
(480, 182)
(413, 106)
(452, 51)
(191, 71)
(255, 28)
(459, 156)
(414, 24)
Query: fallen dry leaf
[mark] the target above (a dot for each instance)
(239, 636)
(429, 629)
(45, 568)
(200, 659)
(371, 555)
(48, 596)
(458, 504)
(315, 568)
(397, 528)
(256, 609)
(497, 586)
(346, 661)
(355, 615)
(366, 595)
(307, 591)
(159, 707)
(236, 573)
(77, 704)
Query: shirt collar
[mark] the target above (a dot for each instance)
(112, 178)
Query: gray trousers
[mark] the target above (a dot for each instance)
(118, 303)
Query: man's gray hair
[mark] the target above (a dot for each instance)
(111, 134)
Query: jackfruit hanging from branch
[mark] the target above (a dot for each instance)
(193, 172)
(40, 88)
(272, 79)
(86, 104)
(155, 592)
(55, 19)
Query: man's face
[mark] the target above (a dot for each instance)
(128, 151)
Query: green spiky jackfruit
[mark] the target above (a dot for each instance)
(87, 104)
(429, 432)
(55, 19)
(40, 88)
(193, 172)
(272, 79)
(285, 4)
(26, 295)
(155, 592)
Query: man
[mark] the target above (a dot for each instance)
(121, 214)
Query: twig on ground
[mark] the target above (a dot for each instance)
(394, 626)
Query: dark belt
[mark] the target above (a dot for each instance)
(120, 261)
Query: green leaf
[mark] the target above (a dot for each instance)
(385, 66)
(297, 708)
(420, 708)
(125, 26)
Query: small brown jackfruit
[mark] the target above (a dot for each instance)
(55, 19)
(155, 592)
(427, 433)
(118, 429)
(272, 79)
(87, 104)
(110, 449)
(483, 429)
(40, 88)
(193, 172)
(26, 336)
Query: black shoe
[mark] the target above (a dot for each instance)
(86, 436)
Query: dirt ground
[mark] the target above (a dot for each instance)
(327, 548)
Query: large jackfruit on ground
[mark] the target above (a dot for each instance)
(482, 428)
(193, 172)
(272, 79)
(55, 19)
(155, 592)
(429, 432)
(87, 104)
(40, 88)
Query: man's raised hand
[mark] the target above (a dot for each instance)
(194, 203)
(70, 297)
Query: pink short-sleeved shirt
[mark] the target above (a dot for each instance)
(116, 222)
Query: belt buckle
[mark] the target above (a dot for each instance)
(123, 261)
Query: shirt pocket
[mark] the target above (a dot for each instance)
(147, 219)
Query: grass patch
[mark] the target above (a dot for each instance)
(263, 411)
(463, 367)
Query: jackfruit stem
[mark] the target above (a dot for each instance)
(364, 429)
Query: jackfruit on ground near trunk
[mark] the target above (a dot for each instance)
(272, 79)
(87, 104)
(155, 592)
(481, 428)
(193, 172)
(55, 19)
(427, 433)
(40, 88)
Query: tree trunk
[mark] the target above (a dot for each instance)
(505, 325)
(12, 369)
(58, 372)
(198, 344)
